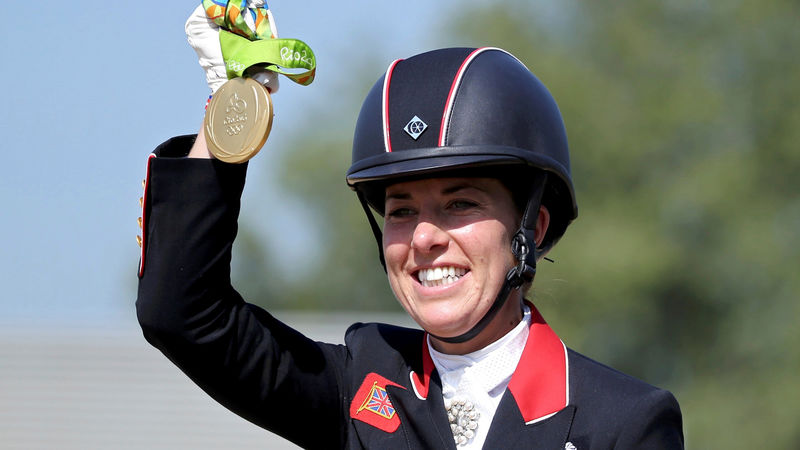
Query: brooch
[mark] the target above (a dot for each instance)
(463, 420)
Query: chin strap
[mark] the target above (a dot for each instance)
(376, 230)
(523, 246)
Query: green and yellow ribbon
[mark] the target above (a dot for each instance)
(243, 48)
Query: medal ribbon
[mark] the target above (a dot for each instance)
(242, 47)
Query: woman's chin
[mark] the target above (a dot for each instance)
(445, 325)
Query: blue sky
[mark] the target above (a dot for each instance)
(87, 94)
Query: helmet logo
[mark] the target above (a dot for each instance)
(415, 127)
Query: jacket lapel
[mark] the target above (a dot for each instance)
(509, 430)
(534, 411)
(421, 406)
(423, 421)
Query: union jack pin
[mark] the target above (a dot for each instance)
(372, 404)
(378, 402)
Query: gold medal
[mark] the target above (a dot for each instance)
(238, 120)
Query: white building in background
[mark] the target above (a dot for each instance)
(105, 387)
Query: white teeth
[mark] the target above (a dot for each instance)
(440, 276)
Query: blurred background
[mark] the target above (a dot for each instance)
(681, 269)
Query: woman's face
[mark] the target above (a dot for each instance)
(447, 247)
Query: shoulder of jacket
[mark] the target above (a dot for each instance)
(600, 378)
(633, 413)
(175, 147)
(369, 340)
(376, 335)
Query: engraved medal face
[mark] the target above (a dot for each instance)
(238, 120)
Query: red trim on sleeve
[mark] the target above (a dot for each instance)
(144, 216)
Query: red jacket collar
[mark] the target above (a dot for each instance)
(540, 383)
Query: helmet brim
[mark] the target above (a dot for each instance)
(417, 162)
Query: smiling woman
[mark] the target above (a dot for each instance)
(462, 227)
(464, 154)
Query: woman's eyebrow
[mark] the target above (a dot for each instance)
(404, 195)
(398, 196)
(455, 188)
(460, 187)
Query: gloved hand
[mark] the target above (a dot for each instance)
(203, 35)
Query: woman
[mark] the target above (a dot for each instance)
(464, 154)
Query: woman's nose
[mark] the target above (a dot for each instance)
(428, 236)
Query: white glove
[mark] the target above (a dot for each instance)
(203, 35)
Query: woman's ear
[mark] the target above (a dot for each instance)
(542, 222)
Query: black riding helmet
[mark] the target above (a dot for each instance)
(464, 111)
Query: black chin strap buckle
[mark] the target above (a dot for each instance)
(525, 255)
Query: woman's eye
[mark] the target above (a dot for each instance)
(400, 212)
(462, 204)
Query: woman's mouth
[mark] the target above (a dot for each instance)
(440, 276)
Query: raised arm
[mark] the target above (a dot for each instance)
(236, 352)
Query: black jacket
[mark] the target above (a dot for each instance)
(380, 389)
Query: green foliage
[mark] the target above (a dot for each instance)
(683, 126)
(681, 269)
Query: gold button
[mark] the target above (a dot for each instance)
(141, 202)
(143, 183)
(139, 221)
(139, 241)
